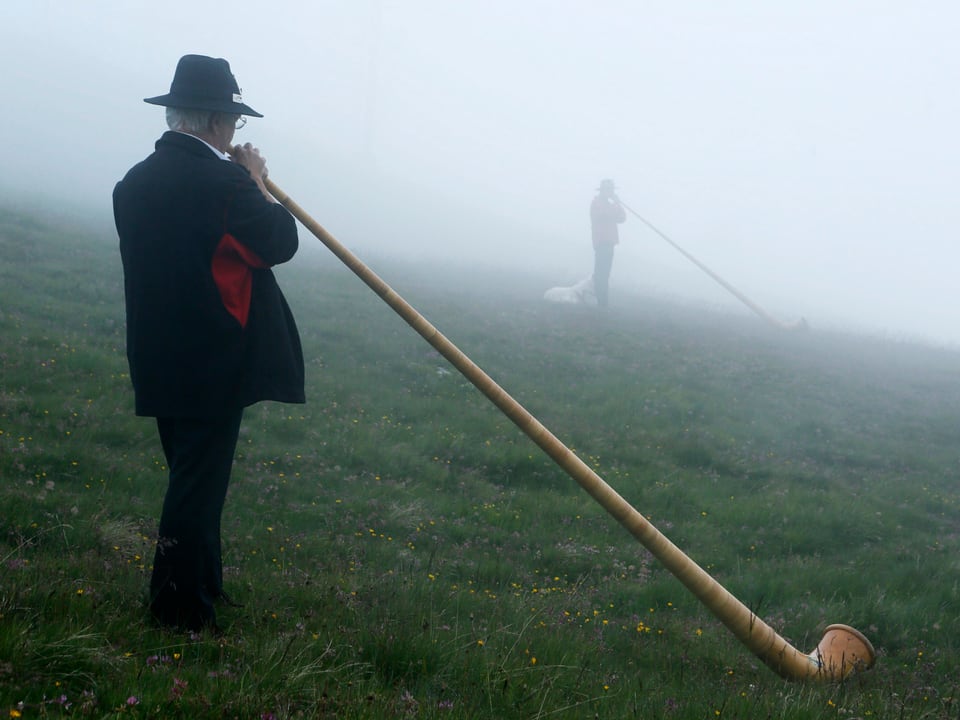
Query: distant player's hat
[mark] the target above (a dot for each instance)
(607, 184)
(204, 83)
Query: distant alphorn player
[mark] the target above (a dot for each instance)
(605, 214)
(208, 330)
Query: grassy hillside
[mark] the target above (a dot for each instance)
(402, 550)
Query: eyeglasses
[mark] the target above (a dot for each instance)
(241, 121)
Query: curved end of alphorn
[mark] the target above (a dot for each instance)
(841, 652)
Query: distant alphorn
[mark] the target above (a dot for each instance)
(796, 325)
(841, 651)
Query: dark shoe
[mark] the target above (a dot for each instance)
(228, 601)
(184, 619)
(215, 631)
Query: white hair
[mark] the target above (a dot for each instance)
(188, 120)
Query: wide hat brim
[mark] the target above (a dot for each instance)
(192, 102)
(204, 83)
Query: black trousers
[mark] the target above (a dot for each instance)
(187, 567)
(602, 264)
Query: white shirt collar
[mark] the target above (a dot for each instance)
(221, 155)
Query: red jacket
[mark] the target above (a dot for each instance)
(605, 215)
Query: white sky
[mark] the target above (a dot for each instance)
(807, 152)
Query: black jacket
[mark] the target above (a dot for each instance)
(208, 329)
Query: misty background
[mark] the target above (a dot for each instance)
(806, 152)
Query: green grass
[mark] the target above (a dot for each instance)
(402, 550)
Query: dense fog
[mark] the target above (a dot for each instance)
(805, 152)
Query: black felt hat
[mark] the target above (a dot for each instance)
(204, 83)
